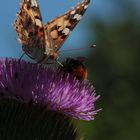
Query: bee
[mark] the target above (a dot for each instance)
(75, 67)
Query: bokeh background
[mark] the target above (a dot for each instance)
(114, 26)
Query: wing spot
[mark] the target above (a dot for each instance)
(86, 6)
(63, 37)
(83, 5)
(54, 34)
(34, 3)
(66, 31)
(72, 12)
(38, 22)
(77, 17)
(37, 17)
(60, 28)
(28, 7)
(30, 34)
(78, 7)
(41, 29)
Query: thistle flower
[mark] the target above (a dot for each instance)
(47, 87)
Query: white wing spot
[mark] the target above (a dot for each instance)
(72, 12)
(86, 6)
(38, 22)
(77, 17)
(66, 31)
(19, 40)
(78, 7)
(34, 3)
(83, 4)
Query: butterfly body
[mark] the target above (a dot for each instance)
(42, 42)
(75, 67)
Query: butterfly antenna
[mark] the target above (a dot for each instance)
(21, 56)
(60, 63)
(78, 49)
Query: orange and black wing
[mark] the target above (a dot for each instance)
(29, 27)
(59, 29)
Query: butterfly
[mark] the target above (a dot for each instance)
(42, 42)
(75, 67)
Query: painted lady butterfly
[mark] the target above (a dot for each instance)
(42, 42)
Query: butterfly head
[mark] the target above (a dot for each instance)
(53, 55)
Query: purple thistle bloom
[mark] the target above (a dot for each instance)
(47, 87)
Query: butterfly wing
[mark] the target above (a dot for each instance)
(59, 29)
(30, 28)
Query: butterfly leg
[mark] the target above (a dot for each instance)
(20, 58)
(59, 62)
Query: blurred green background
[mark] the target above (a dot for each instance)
(114, 69)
